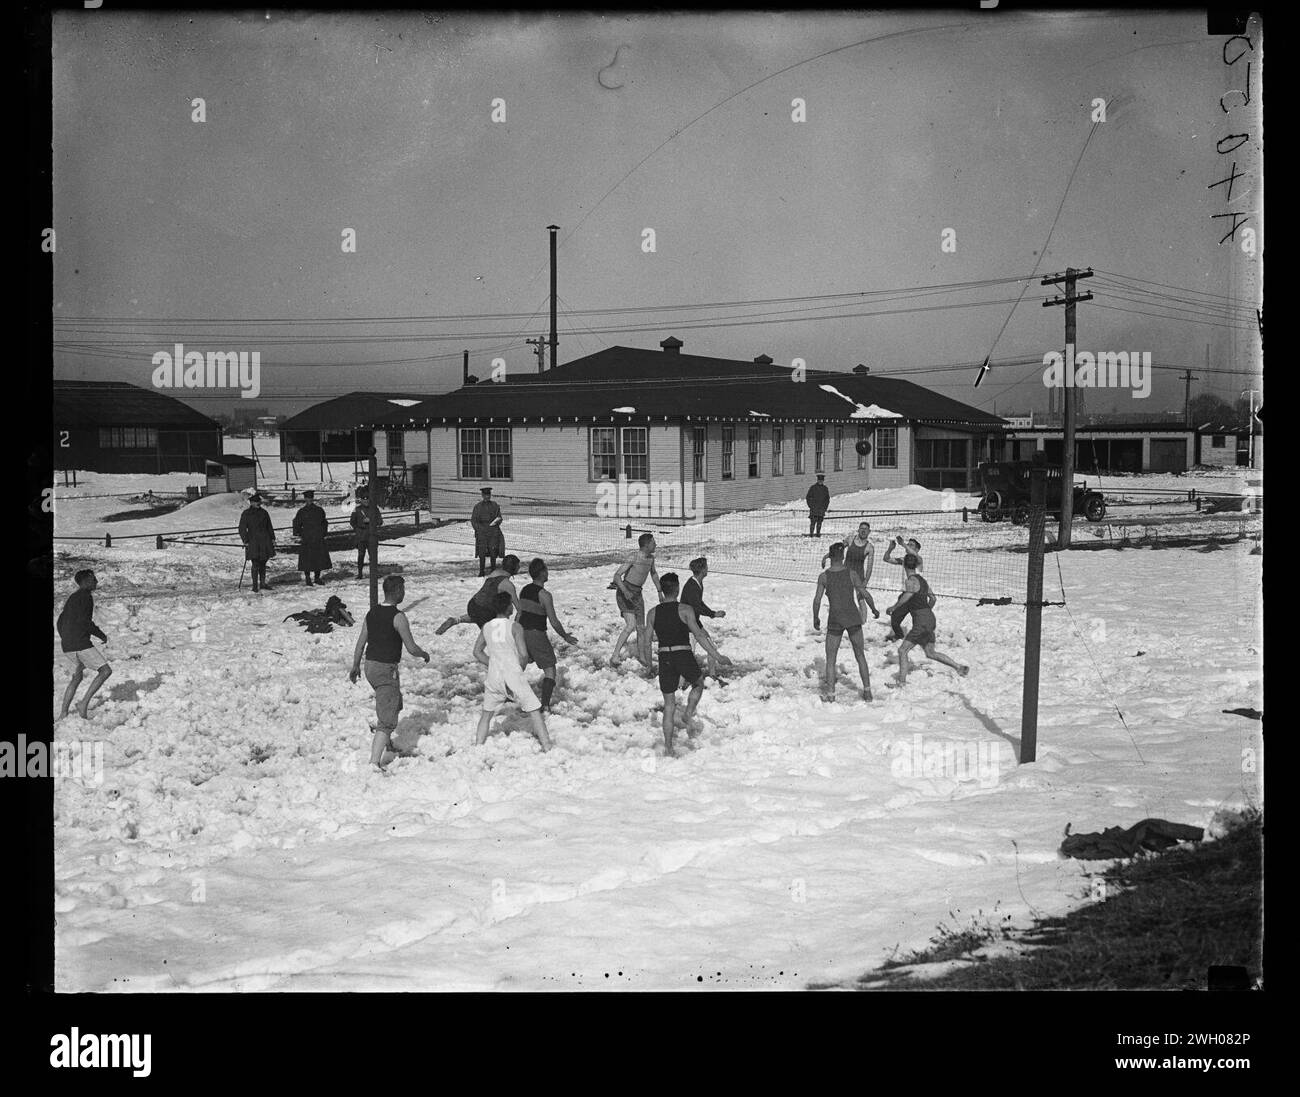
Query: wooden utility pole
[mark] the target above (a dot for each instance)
(1188, 378)
(1070, 277)
(539, 349)
(1033, 612)
(373, 510)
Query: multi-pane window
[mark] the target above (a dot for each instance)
(778, 451)
(753, 452)
(396, 447)
(798, 451)
(941, 453)
(1218, 441)
(699, 452)
(862, 437)
(728, 452)
(620, 453)
(886, 452)
(128, 438)
(604, 453)
(819, 449)
(839, 449)
(471, 453)
(498, 448)
(636, 453)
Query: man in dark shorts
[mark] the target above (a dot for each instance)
(481, 608)
(918, 600)
(536, 608)
(673, 624)
(841, 586)
(911, 547)
(384, 633)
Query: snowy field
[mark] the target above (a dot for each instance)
(237, 840)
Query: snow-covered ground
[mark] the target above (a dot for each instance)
(238, 841)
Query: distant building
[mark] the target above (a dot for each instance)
(1228, 445)
(1119, 447)
(336, 430)
(112, 426)
(738, 433)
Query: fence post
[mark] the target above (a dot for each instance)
(293, 495)
(1033, 615)
(627, 534)
(417, 519)
(159, 543)
(108, 540)
(965, 514)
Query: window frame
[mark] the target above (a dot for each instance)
(728, 453)
(800, 444)
(778, 450)
(485, 452)
(886, 443)
(700, 454)
(754, 451)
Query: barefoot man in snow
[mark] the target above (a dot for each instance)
(501, 648)
(76, 626)
(536, 608)
(912, 547)
(917, 600)
(841, 585)
(628, 581)
(384, 633)
(673, 624)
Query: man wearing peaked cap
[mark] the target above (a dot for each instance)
(489, 541)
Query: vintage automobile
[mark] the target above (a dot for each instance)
(1005, 486)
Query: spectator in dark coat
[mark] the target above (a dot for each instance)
(360, 521)
(819, 501)
(310, 527)
(258, 535)
(489, 541)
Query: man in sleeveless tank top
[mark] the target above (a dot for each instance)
(536, 609)
(918, 600)
(481, 608)
(860, 556)
(500, 647)
(841, 585)
(673, 624)
(912, 547)
(384, 633)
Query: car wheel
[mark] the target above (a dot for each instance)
(993, 507)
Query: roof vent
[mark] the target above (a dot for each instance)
(671, 345)
(763, 360)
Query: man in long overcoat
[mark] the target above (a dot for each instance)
(489, 541)
(258, 536)
(310, 527)
(819, 501)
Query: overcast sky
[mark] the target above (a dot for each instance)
(170, 229)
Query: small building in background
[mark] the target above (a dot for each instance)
(1229, 445)
(113, 426)
(337, 431)
(231, 472)
(1108, 448)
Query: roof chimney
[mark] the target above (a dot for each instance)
(763, 360)
(671, 345)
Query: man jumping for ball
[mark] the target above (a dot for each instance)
(917, 600)
(628, 581)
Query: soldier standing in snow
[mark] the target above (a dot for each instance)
(258, 536)
(819, 501)
(310, 526)
(489, 541)
(360, 522)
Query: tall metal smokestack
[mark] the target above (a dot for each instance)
(464, 377)
(555, 340)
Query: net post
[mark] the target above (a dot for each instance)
(1033, 614)
(373, 509)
